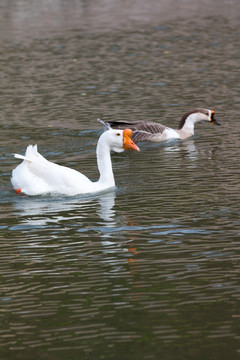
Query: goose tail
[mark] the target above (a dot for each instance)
(30, 154)
(106, 125)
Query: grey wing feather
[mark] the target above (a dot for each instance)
(121, 125)
(146, 126)
(141, 136)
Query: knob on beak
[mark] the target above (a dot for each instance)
(128, 144)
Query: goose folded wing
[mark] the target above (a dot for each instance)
(146, 126)
(142, 136)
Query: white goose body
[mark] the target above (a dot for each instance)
(169, 133)
(155, 132)
(36, 175)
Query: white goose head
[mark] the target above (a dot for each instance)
(197, 115)
(119, 140)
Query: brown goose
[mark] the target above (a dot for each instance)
(154, 132)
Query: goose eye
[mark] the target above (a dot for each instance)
(118, 134)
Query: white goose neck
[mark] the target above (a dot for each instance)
(189, 124)
(104, 162)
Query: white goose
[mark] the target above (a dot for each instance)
(154, 132)
(36, 175)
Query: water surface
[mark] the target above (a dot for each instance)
(150, 269)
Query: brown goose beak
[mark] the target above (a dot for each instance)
(213, 120)
(128, 144)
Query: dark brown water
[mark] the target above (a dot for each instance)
(150, 270)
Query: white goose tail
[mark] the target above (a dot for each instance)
(30, 155)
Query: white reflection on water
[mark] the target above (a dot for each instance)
(39, 211)
(107, 202)
(187, 146)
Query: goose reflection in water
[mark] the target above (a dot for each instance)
(41, 211)
(188, 146)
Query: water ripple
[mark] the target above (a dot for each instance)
(149, 269)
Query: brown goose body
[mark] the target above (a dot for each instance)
(154, 132)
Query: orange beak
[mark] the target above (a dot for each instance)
(128, 144)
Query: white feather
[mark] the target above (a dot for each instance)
(36, 175)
